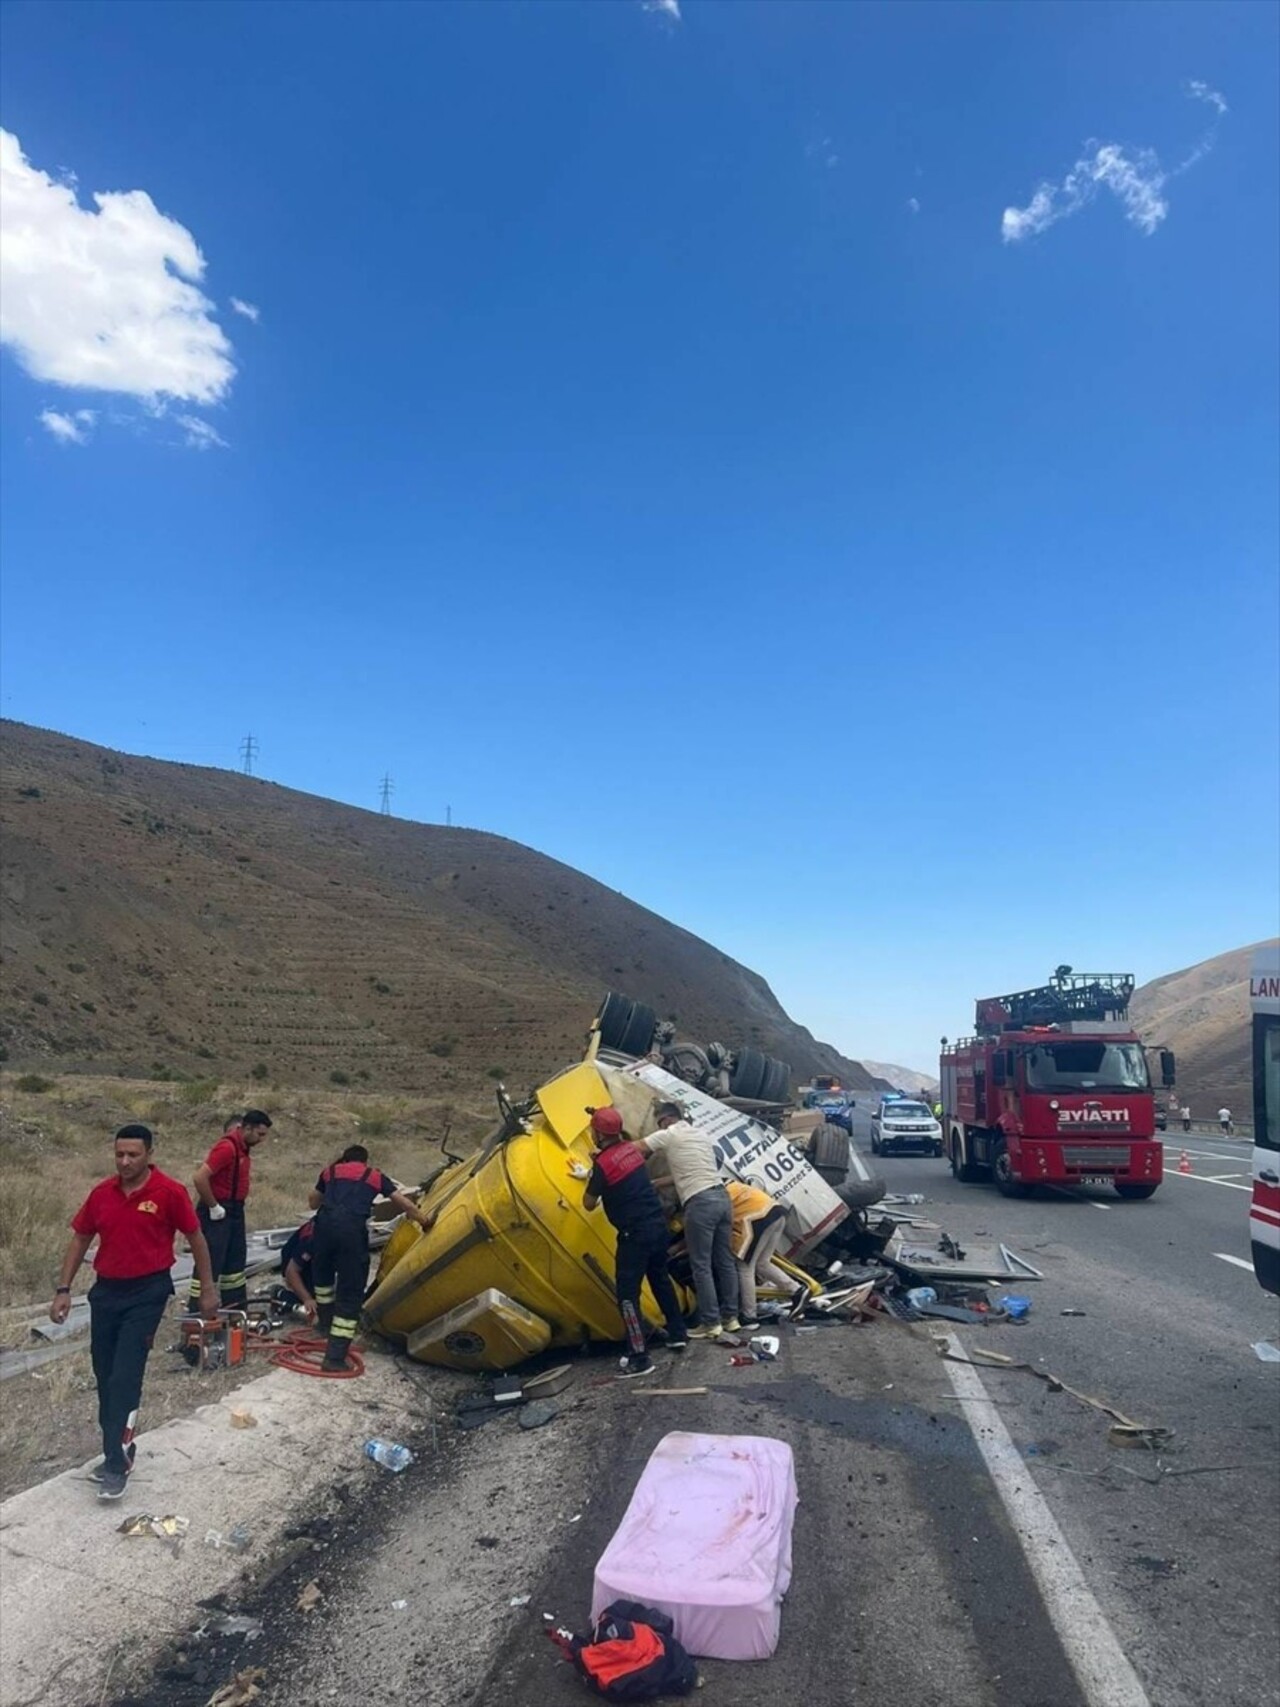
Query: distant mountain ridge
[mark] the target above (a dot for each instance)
(163, 918)
(901, 1078)
(1202, 1014)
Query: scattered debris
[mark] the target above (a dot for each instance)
(171, 1530)
(237, 1539)
(919, 1296)
(1267, 1352)
(399, 1605)
(309, 1597)
(520, 1600)
(389, 1453)
(538, 1414)
(1020, 1264)
(242, 1689)
(487, 1541)
(1137, 1434)
(242, 1418)
(669, 1392)
(1072, 1312)
(1015, 1307)
(229, 1624)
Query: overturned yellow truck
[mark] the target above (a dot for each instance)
(514, 1264)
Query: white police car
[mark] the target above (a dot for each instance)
(899, 1125)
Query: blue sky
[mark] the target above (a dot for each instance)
(656, 442)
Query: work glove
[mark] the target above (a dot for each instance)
(217, 1213)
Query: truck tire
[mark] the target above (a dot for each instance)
(777, 1082)
(1136, 1188)
(613, 1018)
(829, 1152)
(748, 1074)
(637, 1039)
(1007, 1184)
(963, 1170)
(861, 1188)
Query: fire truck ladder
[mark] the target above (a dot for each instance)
(1068, 996)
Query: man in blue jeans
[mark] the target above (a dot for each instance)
(708, 1217)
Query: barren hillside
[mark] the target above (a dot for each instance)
(1202, 1013)
(165, 918)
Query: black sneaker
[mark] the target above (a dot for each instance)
(630, 1369)
(112, 1485)
(749, 1325)
(677, 1345)
(130, 1453)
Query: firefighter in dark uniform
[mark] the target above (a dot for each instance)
(295, 1271)
(342, 1199)
(222, 1185)
(620, 1180)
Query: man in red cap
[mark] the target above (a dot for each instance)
(619, 1179)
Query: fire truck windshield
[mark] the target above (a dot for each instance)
(1077, 1065)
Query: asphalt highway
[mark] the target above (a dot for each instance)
(965, 1538)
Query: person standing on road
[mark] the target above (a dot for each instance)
(758, 1225)
(1186, 1118)
(708, 1217)
(1224, 1121)
(222, 1186)
(134, 1216)
(342, 1198)
(620, 1181)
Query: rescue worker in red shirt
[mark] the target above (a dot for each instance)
(620, 1180)
(342, 1199)
(222, 1185)
(134, 1216)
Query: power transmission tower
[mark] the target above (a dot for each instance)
(388, 789)
(448, 815)
(249, 752)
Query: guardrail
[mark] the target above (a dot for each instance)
(1242, 1129)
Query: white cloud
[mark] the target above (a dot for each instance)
(249, 311)
(667, 8)
(1202, 92)
(199, 434)
(105, 300)
(71, 429)
(913, 203)
(1136, 180)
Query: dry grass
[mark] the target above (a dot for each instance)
(55, 1144)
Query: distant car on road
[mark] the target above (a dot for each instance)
(898, 1125)
(838, 1111)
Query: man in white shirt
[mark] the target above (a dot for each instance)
(708, 1218)
(1224, 1120)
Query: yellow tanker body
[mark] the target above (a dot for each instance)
(511, 1220)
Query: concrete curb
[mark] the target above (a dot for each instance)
(75, 1594)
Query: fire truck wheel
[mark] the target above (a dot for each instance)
(1006, 1183)
(965, 1172)
(1135, 1188)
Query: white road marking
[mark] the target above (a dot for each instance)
(1238, 1261)
(1105, 1676)
(1207, 1179)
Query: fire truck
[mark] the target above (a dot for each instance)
(1054, 1089)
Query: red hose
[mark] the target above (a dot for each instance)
(303, 1352)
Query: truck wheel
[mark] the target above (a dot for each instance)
(829, 1152)
(614, 1017)
(638, 1037)
(1136, 1188)
(1007, 1183)
(777, 1082)
(964, 1171)
(748, 1074)
(875, 1142)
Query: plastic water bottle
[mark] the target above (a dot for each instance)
(919, 1295)
(389, 1454)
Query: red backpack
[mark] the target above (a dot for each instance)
(631, 1654)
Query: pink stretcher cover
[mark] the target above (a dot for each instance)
(707, 1539)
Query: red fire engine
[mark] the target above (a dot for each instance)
(1054, 1089)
